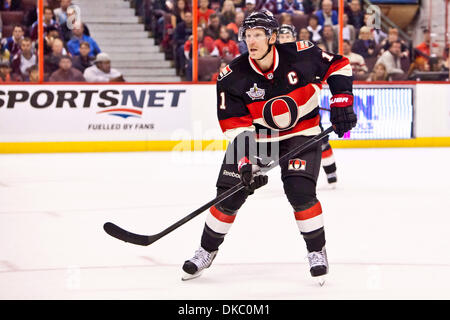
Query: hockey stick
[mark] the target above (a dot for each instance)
(145, 240)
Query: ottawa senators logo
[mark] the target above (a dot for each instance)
(297, 164)
(280, 113)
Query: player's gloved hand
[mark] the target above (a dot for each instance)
(251, 175)
(342, 116)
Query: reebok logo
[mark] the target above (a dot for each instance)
(231, 174)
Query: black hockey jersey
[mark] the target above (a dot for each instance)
(282, 102)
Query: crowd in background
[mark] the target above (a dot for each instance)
(71, 54)
(375, 55)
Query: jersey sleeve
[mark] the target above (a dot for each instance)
(334, 69)
(233, 115)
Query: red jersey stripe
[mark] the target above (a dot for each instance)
(312, 212)
(221, 216)
(327, 153)
(300, 95)
(302, 125)
(236, 122)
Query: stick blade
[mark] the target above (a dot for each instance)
(121, 234)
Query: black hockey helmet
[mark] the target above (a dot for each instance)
(263, 19)
(287, 28)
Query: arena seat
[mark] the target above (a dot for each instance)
(12, 17)
(29, 4)
(207, 66)
(300, 21)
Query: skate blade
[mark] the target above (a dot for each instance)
(320, 280)
(187, 276)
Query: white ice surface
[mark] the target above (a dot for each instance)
(387, 228)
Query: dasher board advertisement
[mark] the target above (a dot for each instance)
(93, 113)
(383, 113)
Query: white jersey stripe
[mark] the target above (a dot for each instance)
(311, 224)
(216, 225)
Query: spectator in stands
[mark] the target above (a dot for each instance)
(178, 12)
(66, 73)
(392, 37)
(74, 44)
(377, 34)
(270, 5)
(436, 64)
(348, 31)
(234, 30)
(51, 61)
(327, 15)
(48, 22)
(379, 73)
(391, 59)
(10, 5)
(419, 64)
(5, 55)
(290, 6)
(206, 47)
(239, 4)
(365, 45)
(425, 48)
(228, 13)
(180, 36)
(51, 35)
(287, 33)
(61, 12)
(359, 68)
(12, 43)
(101, 71)
(213, 28)
(234, 26)
(446, 58)
(24, 59)
(228, 49)
(304, 34)
(314, 28)
(355, 14)
(5, 72)
(311, 6)
(250, 6)
(204, 12)
(33, 74)
(83, 61)
(330, 39)
(285, 18)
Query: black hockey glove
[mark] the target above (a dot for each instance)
(251, 175)
(342, 116)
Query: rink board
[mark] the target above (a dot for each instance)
(182, 117)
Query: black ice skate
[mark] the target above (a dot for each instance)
(194, 267)
(318, 263)
(332, 179)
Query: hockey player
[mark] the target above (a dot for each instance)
(286, 33)
(270, 96)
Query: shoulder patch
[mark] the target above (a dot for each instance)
(303, 45)
(224, 72)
